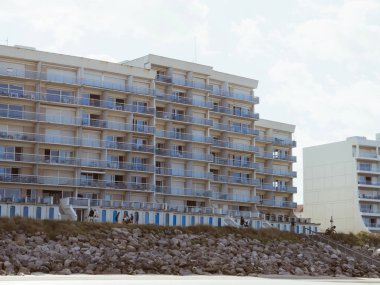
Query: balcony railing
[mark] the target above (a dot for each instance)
(370, 211)
(86, 202)
(75, 141)
(372, 225)
(182, 172)
(226, 144)
(270, 186)
(234, 112)
(368, 196)
(67, 99)
(235, 197)
(183, 82)
(245, 214)
(367, 154)
(58, 78)
(236, 129)
(183, 136)
(273, 155)
(278, 172)
(27, 200)
(183, 154)
(275, 203)
(67, 181)
(236, 95)
(183, 100)
(183, 192)
(368, 168)
(41, 117)
(184, 118)
(235, 180)
(236, 163)
(369, 183)
(193, 210)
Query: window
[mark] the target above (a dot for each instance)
(11, 89)
(63, 96)
(140, 125)
(140, 106)
(12, 111)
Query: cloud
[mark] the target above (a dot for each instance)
(66, 23)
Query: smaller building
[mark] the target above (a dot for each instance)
(342, 180)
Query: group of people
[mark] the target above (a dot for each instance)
(127, 219)
(243, 223)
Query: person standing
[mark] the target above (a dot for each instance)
(91, 215)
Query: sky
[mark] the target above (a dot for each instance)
(317, 62)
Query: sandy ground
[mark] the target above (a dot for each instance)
(171, 280)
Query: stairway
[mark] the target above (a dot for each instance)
(229, 221)
(66, 210)
(319, 237)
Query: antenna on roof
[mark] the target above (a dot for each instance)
(195, 49)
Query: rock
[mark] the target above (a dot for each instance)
(130, 248)
(65, 271)
(298, 271)
(334, 256)
(23, 270)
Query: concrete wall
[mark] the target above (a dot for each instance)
(330, 187)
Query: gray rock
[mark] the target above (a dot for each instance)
(298, 271)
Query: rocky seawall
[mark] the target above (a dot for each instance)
(133, 251)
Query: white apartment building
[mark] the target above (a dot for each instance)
(342, 181)
(175, 142)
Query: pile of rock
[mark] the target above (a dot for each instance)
(130, 251)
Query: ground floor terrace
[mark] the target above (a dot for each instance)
(102, 211)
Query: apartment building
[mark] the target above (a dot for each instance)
(172, 141)
(342, 181)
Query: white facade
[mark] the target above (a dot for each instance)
(342, 180)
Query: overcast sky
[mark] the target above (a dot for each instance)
(317, 62)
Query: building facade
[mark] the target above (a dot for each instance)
(175, 142)
(342, 181)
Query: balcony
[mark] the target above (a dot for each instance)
(234, 163)
(368, 183)
(75, 141)
(182, 172)
(368, 168)
(370, 211)
(244, 214)
(183, 136)
(86, 202)
(183, 154)
(226, 144)
(234, 197)
(235, 180)
(368, 154)
(275, 203)
(276, 172)
(235, 129)
(183, 100)
(184, 118)
(281, 188)
(183, 192)
(236, 95)
(58, 78)
(27, 200)
(235, 112)
(183, 82)
(369, 197)
(189, 209)
(284, 142)
(272, 155)
(73, 182)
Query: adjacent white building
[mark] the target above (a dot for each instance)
(342, 180)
